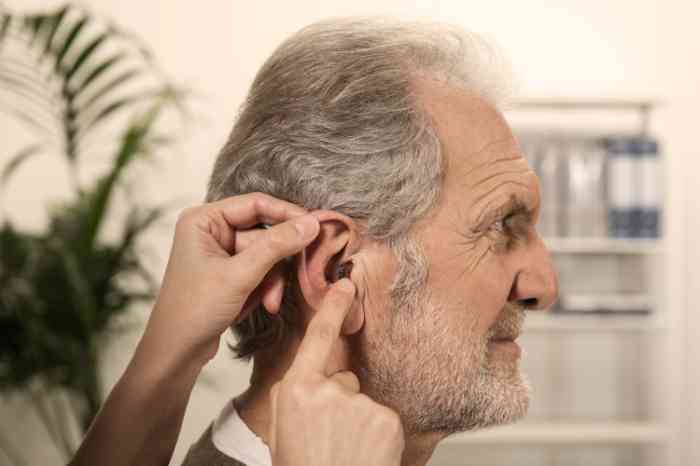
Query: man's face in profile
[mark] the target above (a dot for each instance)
(445, 361)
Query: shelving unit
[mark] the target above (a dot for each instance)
(592, 433)
(557, 322)
(642, 108)
(608, 246)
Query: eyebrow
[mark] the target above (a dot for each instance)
(513, 206)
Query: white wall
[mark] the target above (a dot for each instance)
(575, 48)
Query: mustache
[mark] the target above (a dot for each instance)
(509, 324)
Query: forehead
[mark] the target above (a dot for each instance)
(485, 166)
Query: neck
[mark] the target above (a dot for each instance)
(419, 448)
(255, 410)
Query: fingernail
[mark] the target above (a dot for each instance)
(306, 226)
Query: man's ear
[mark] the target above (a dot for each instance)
(326, 259)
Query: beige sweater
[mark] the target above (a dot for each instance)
(204, 453)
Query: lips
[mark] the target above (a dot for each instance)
(504, 347)
(509, 325)
(507, 335)
(504, 338)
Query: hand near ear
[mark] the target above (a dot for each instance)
(209, 280)
(319, 420)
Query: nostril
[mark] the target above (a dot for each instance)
(530, 303)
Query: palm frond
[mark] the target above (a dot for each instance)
(90, 90)
(131, 146)
(91, 48)
(77, 89)
(115, 82)
(17, 160)
(5, 22)
(67, 44)
(79, 288)
(70, 75)
(55, 20)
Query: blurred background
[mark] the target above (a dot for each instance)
(145, 94)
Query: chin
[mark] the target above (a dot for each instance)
(503, 400)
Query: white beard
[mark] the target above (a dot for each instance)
(420, 368)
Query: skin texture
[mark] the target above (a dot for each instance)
(435, 361)
(441, 370)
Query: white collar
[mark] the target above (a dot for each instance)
(232, 437)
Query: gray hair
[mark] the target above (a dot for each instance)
(332, 122)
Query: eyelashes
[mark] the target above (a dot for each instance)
(511, 228)
(506, 226)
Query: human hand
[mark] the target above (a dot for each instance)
(318, 420)
(219, 266)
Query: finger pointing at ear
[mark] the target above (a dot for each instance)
(324, 329)
(318, 420)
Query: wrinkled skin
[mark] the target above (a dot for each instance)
(436, 361)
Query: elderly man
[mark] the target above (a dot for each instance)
(392, 133)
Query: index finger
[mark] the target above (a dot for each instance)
(324, 329)
(247, 210)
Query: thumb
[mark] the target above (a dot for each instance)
(283, 240)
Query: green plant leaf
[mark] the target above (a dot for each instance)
(96, 72)
(79, 287)
(68, 42)
(131, 146)
(5, 23)
(56, 21)
(17, 160)
(34, 24)
(137, 222)
(61, 288)
(108, 87)
(111, 108)
(87, 51)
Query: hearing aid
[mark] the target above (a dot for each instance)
(343, 271)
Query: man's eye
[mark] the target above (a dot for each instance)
(502, 224)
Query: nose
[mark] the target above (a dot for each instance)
(536, 285)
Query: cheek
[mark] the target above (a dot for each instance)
(493, 294)
(375, 276)
(474, 300)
